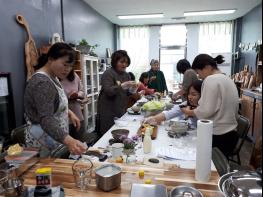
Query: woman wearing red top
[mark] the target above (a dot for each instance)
(143, 87)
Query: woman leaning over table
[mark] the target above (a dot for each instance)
(193, 96)
(219, 102)
(46, 105)
(116, 86)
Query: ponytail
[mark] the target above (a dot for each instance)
(203, 60)
(42, 60)
(219, 59)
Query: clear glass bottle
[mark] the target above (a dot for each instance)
(147, 141)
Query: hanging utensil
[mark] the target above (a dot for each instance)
(31, 52)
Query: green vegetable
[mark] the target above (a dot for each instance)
(153, 105)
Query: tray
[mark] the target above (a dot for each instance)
(154, 134)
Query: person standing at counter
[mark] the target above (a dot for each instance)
(157, 79)
(184, 67)
(116, 86)
(76, 98)
(46, 105)
(219, 102)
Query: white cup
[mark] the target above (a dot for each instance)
(116, 150)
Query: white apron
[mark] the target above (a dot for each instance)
(35, 136)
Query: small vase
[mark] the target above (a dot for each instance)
(128, 152)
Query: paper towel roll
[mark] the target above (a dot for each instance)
(204, 150)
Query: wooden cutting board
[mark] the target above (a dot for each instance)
(31, 52)
(154, 134)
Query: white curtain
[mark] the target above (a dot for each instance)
(135, 40)
(215, 39)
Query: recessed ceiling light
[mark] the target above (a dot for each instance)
(140, 16)
(211, 12)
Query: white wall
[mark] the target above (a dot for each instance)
(154, 42)
(192, 41)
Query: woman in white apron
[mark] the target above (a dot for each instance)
(46, 105)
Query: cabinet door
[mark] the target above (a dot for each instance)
(258, 120)
(247, 109)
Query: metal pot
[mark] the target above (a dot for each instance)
(241, 183)
(185, 191)
(108, 177)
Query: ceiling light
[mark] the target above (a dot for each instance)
(140, 16)
(212, 12)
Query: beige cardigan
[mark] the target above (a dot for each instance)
(219, 103)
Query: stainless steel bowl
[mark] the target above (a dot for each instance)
(185, 191)
(108, 177)
(241, 183)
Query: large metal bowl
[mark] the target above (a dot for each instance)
(185, 191)
(241, 183)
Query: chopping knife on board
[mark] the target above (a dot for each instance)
(31, 52)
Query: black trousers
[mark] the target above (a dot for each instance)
(226, 143)
(83, 135)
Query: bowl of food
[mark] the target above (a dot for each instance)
(178, 127)
(136, 109)
(152, 108)
(116, 134)
(14, 150)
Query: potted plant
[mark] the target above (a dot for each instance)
(84, 46)
(129, 145)
(92, 48)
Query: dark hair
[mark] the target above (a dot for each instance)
(57, 51)
(197, 85)
(153, 61)
(143, 76)
(132, 76)
(183, 65)
(71, 75)
(203, 60)
(118, 55)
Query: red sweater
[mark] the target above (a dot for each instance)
(146, 89)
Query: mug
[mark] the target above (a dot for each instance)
(116, 150)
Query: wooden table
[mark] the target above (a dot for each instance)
(171, 177)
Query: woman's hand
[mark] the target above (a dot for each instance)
(74, 119)
(153, 78)
(75, 146)
(188, 112)
(128, 84)
(151, 121)
(73, 95)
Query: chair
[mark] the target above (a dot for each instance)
(220, 162)
(224, 166)
(242, 129)
(18, 134)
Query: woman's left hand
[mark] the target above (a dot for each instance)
(187, 111)
(75, 120)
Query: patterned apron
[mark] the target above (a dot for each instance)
(35, 136)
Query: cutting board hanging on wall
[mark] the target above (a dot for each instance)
(31, 53)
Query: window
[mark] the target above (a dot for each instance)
(215, 39)
(135, 40)
(172, 49)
